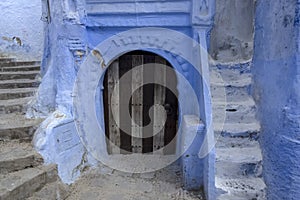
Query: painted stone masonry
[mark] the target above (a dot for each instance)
(82, 40)
(276, 89)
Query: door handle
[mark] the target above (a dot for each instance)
(168, 109)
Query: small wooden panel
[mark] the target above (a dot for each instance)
(171, 107)
(137, 103)
(125, 63)
(159, 100)
(114, 108)
(148, 102)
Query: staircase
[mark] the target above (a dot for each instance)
(238, 154)
(238, 163)
(22, 173)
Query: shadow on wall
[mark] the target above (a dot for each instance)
(233, 33)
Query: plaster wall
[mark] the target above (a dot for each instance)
(72, 53)
(276, 73)
(21, 19)
(232, 35)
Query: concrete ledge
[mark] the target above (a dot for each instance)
(192, 165)
(24, 183)
(58, 142)
(15, 156)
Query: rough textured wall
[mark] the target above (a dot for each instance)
(232, 36)
(277, 91)
(56, 139)
(63, 52)
(21, 19)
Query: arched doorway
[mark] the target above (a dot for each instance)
(144, 106)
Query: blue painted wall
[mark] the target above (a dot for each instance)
(73, 29)
(276, 73)
(21, 19)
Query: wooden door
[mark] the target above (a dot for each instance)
(142, 99)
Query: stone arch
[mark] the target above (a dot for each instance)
(164, 42)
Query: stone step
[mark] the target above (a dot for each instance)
(20, 133)
(19, 63)
(230, 142)
(230, 83)
(240, 189)
(17, 126)
(16, 156)
(14, 105)
(5, 60)
(52, 191)
(20, 68)
(234, 112)
(18, 75)
(230, 93)
(19, 83)
(238, 154)
(230, 72)
(238, 162)
(236, 79)
(238, 170)
(22, 184)
(16, 93)
(230, 75)
(245, 130)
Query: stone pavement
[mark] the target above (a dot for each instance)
(108, 184)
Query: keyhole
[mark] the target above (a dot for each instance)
(168, 109)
